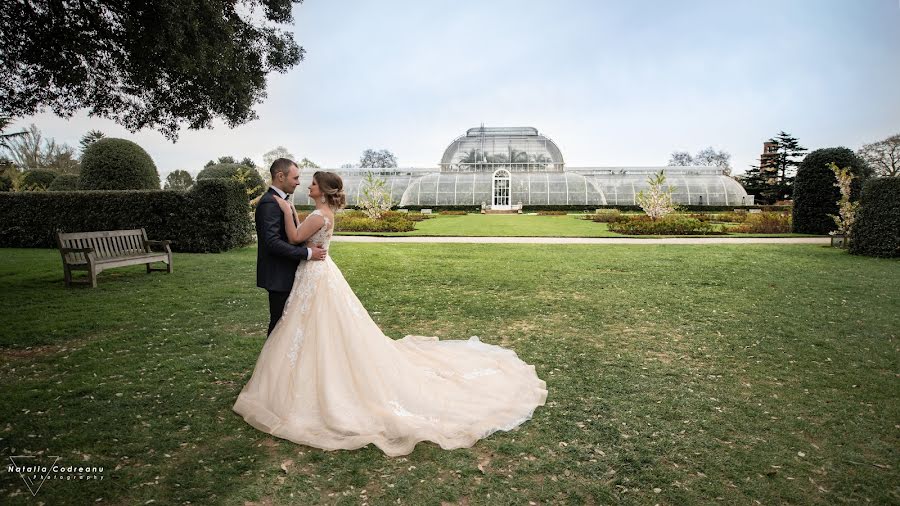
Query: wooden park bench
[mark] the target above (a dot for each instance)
(97, 251)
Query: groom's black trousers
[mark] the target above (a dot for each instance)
(276, 307)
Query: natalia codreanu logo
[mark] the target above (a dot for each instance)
(35, 472)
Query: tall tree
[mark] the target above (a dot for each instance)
(32, 151)
(306, 163)
(883, 156)
(5, 136)
(709, 157)
(90, 138)
(27, 151)
(179, 179)
(158, 64)
(274, 154)
(773, 178)
(377, 159)
(787, 155)
(706, 157)
(680, 159)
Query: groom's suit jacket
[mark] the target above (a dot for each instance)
(276, 258)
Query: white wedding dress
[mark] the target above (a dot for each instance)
(327, 376)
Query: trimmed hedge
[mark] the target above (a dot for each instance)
(815, 196)
(357, 221)
(254, 185)
(117, 164)
(606, 216)
(876, 230)
(765, 223)
(38, 179)
(212, 216)
(64, 182)
(354, 224)
(667, 225)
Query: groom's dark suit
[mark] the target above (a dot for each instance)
(276, 258)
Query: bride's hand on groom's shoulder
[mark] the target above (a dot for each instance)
(284, 204)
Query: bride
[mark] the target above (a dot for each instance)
(327, 376)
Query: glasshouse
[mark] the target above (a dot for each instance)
(503, 168)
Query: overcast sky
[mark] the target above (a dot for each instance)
(612, 83)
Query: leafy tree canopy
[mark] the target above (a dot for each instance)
(377, 159)
(145, 64)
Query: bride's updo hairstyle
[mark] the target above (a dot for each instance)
(332, 187)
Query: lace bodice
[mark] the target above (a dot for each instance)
(323, 235)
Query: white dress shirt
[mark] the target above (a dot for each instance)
(283, 195)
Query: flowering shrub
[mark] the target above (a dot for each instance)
(656, 202)
(375, 199)
(847, 209)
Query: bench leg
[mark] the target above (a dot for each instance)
(93, 278)
(168, 268)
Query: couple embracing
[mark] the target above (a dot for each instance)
(327, 376)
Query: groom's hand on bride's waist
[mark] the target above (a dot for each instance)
(318, 253)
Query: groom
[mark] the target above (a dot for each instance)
(276, 258)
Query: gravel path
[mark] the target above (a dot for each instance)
(587, 240)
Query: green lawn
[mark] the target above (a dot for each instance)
(676, 375)
(519, 225)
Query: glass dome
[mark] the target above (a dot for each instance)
(514, 148)
(505, 166)
(529, 188)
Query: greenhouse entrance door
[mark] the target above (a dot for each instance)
(500, 192)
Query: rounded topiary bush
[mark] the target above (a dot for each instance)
(117, 164)
(248, 177)
(815, 194)
(64, 182)
(876, 229)
(38, 179)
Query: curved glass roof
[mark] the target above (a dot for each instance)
(529, 188)
(572, 187)
(490, 148)
(690, 185)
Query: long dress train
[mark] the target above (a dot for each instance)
(327, 376)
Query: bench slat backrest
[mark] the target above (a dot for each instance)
(106, 243)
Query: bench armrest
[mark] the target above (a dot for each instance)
(165, 244)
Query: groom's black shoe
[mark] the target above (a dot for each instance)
(276, 307)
